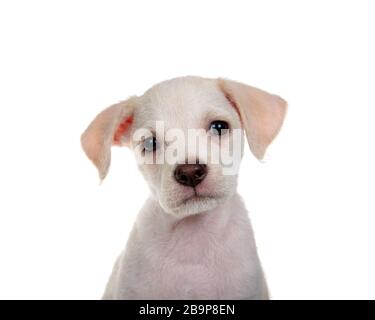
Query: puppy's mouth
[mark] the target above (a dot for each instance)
(196, 197)
(191, 201)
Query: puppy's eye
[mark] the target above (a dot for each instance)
(150, 144)
(219, 127)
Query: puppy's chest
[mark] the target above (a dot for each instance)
(201, 265)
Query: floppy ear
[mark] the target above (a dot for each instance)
(107, 129)
(261, 113)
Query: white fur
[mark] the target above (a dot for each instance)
(205, 256)
(182, 246)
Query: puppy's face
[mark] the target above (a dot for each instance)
(177, 113)
(181, 130)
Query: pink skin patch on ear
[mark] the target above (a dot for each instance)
(123, 126)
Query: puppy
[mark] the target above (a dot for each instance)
(193, 238)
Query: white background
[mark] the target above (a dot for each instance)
(311, 202)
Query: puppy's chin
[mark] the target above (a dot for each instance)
(193, 205)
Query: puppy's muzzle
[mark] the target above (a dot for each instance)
(190, 174)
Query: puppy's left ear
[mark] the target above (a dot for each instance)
(110, 127)
(261, 113)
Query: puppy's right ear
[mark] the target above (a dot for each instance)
(261, 113)
(110, 127)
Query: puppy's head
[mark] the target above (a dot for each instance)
(186, 134)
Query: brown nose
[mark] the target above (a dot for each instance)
(190, 174)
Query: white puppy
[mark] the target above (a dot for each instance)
(193, 238)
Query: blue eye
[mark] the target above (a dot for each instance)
(219, 127)
(150, 144)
